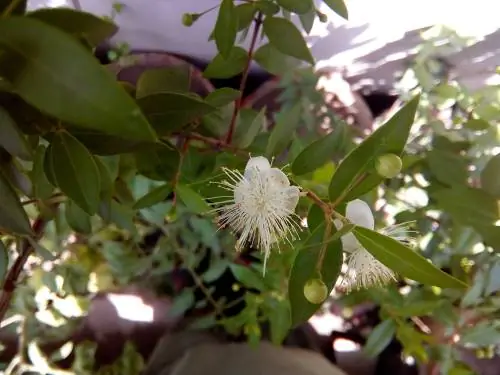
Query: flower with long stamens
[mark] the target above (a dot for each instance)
(363, 269)
(262, 206)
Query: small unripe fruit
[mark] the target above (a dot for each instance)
(388, 165)
(189, 18)
(315, 291)
(322, 17)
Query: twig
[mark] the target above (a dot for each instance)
(239, 101)
(26, 250)
(217, 143)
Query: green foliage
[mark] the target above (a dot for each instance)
(89, 166)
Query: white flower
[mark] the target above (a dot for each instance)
(262, 207)
(363, 269)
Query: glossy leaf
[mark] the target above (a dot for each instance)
(53, 72)
(279, 319)
(293, 44)
(404, 260)
(175, 79)
(316, 154)
(490, 181)
(91, 28)
(338, 6)
(359, 164)
(379, 338)
(250, 124)
(13, 218)
(169, 112)
(191, 199)
(106, 182)
(4, 261)
(116, 213)
(246, 13)
(233, 64)
(226, 27)
(272, 60)
(159, 163)
(304, 268)
(76, 218)
(248, 277)
(296, 6)
(76, 172)
(181, 303)
(42, 188)
(222, 96)
(307, 20)
(11, 139)
(48, 166)
(284, 130)
(155, 196)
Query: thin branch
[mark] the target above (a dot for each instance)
(239, 101)
(26, 250)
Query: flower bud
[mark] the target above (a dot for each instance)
(388, 165)
(322, 17)
(189, 18)
(315, 291)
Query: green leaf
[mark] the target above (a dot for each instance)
(448, 168)
(12, 140)
(404, 260)
(279, 319)
(76, 172)
(287, 39)
(114, 212)
(315, 155)
(107, 183)
(42, 251)
(215, 271)
(91, 28)
(379, 338)
(182, 303)
(53, 72)
(359, 164)
(490, 181)
(19, 7)
(284, 130)
(307, 20)
(155, 196)
(482, 334)
(267, 7)
(250, 124)
(175, 79)
(13, 218)
(246, 13)
(296, 6)
(76, 218)
(272, 60)
(48, 166)
(160, 163)
(477, 124)
(248, 277)
(304, 268)
(226, 27)
(417, 308)
(338, 6)
(227, 67)
(169, 112)
(192, 200)
(222, 96)
(4, 261)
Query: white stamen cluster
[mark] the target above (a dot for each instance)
(363, 269)
(261, 209)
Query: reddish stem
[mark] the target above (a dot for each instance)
(239, 101)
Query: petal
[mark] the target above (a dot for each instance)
(350, 243)
(291, 197)
(276, 178)
(359, 213)
(259, 162)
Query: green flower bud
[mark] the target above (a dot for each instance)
(322, 17)
(315, 291)
(388, 165)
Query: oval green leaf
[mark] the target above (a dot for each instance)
(221, 67)
(315, 155)
(226, 28)
(155, 196)
(76, 172)
(11, 139)
(284, 130)
(287, 39)
(42, 188)
(272, 60)
(338, 6)
(356, 174)
(76, 218)
(192, 200)
(53, 72)
(404, 260)
(250, 124)
(164, 79)
(379, 338)
(296, 6)
(490, 181)
(13, 218)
